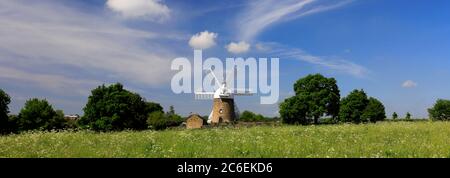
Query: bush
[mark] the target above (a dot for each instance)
(158, 120)
(4, 111)
(11, 125)
(114, 108)
(328, 120)
(248, 116)
(71, 123)
(58, 120)
(39, 114)
(440, 110)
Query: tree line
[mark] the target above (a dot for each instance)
(318, 97)
(109, 108)
(113, 108)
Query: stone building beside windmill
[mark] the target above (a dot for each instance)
(194, 121)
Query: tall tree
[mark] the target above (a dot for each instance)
(374, 111)
(247, 116)
(394, 116)
(152, 107)
(353, 106)
(440, 110)
(321, 95)
(39, 114)
(408, 116)
(294, 110)
(114, 108)
(4, 110)
(171, 110)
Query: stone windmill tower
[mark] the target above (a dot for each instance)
(224, 109)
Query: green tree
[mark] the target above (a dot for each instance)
(293, 110)
(440, 110)
(408, 116)
(158, 120)
(114, 108)
(374, 111)
(4, 111)
(39, 114)
(394, 116)
(13, 126)
(353, 106)
(171, 110)
(152, 107)
(260, 118)
(58, 120)
(173, 118)
(316, 95)
(248, 116)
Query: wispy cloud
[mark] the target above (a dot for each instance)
(45, 34)
(264, 13)
(55, 83)
(337, 65)
(331, 63)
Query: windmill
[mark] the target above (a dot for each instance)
(224, 109)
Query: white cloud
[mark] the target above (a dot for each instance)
(409, 84)
(152, 9)
(237, 48)
(264, 13)
(203, 40)
(49, 36)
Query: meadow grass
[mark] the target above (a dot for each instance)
(385, 139)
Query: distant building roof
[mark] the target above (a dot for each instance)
(72, 116)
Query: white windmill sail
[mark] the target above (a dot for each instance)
(223, 92)
(202, 95)
(242, 92)
(237, 91)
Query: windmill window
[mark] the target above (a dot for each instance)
(220, 111)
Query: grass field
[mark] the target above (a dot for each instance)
(385, 139)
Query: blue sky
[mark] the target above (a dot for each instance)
(397, 51)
